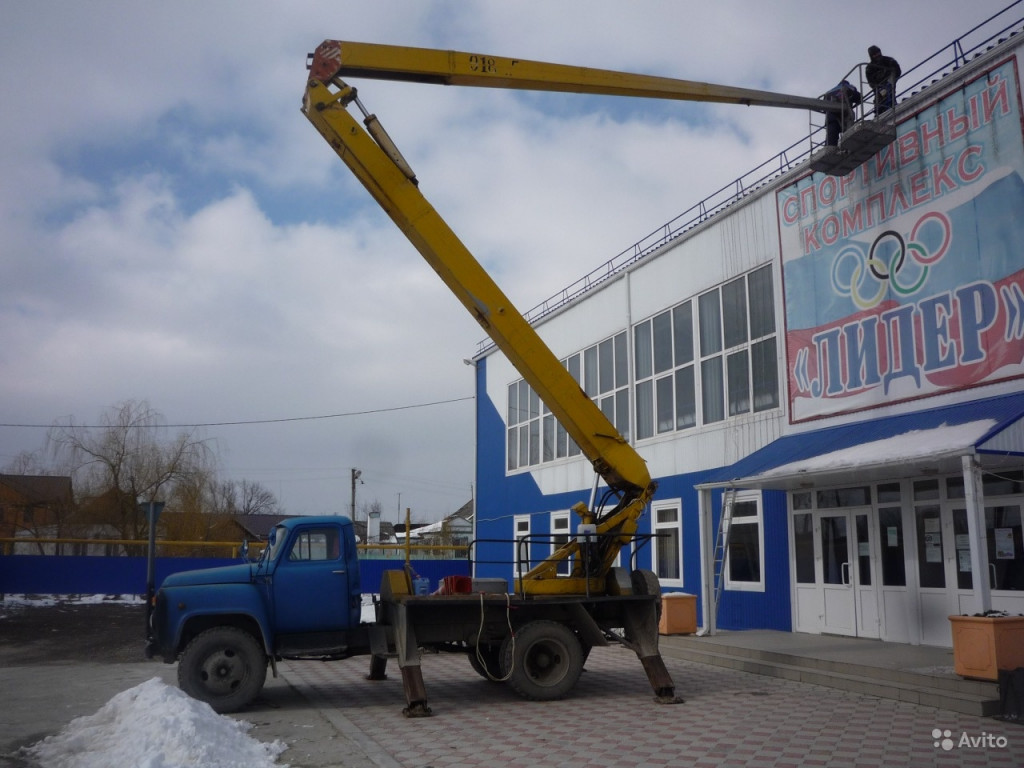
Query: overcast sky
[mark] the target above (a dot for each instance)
(173, 230)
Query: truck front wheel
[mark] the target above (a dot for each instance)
(223, 666)
(486, 662)
(543, 660)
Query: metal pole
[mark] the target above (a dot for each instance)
(408, 538)
(974, 496)
(153, 509)
(355, 476)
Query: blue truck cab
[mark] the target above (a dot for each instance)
(301, 599)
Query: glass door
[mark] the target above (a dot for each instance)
(837, 573)
(847, 573)
(936, 565)
(865, 588)
(834, 561)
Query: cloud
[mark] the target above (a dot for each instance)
(172, 229)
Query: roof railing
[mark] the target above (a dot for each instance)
(951, 57)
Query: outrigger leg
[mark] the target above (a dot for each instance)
(409, 663)
(641, 620)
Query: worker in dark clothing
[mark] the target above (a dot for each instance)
(838, 121)
(882, 72)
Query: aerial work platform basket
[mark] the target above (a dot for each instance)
(857, 145)
(866, 135)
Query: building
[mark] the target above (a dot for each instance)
(33, 506)
(454, 530)
(835, 361)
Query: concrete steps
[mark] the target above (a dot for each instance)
(943, 691)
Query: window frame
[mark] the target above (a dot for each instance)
(757, 519)
(561, 531)
(535, 438)
(518, 534)
(675, 525)
(723, 367)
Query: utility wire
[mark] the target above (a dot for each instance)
(252, 421)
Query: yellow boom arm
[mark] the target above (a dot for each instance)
(376, 162)
(335, 58)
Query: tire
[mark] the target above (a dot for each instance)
(544, 661)
(224, 666)
(490, 668)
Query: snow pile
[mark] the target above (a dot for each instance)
(11, 604)
(155, 726)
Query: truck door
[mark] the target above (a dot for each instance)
(311, 582)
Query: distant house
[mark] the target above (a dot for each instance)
(33, 506)
(253, 528)
(454, 530)
(195, 533)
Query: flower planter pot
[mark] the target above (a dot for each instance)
(982, 645)
(678, 614)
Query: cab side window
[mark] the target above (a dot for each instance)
(316, 544)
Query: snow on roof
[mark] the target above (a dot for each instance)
(914, 445)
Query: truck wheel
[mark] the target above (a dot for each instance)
(223, 666)
(544, 660)
(486, 662)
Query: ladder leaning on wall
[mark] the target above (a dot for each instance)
(721, 550)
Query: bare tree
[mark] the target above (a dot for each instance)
(198, 514)
(243, 497)
(27, 463)
(224, 497)
(126, 460)
(256, 499)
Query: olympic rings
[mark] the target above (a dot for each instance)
(947, 235)
(851, 268)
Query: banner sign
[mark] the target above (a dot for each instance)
(905, 278)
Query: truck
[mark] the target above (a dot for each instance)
(302, 598)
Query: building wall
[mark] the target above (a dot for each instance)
(966, 129)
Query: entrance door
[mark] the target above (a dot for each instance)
(836, 556)
(936, 571)
(850, 602)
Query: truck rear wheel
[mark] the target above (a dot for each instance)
(544, 660)
(223, 666)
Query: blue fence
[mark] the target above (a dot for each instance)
(63, 575)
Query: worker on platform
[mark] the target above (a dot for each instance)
(838, 121)
(882, 72)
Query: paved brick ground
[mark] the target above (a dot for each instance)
(729, 719)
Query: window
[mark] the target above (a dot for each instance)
(931, 571)
(745, 555)
(668, 553)
(320, 544)
(1005, 538)
(890, 533)
(521, 547)
(560, 536)
(858, 496)
(803, 547)
(663, 357)
(534, 435)
(717, 352)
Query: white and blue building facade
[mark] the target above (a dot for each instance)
(838, 359)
